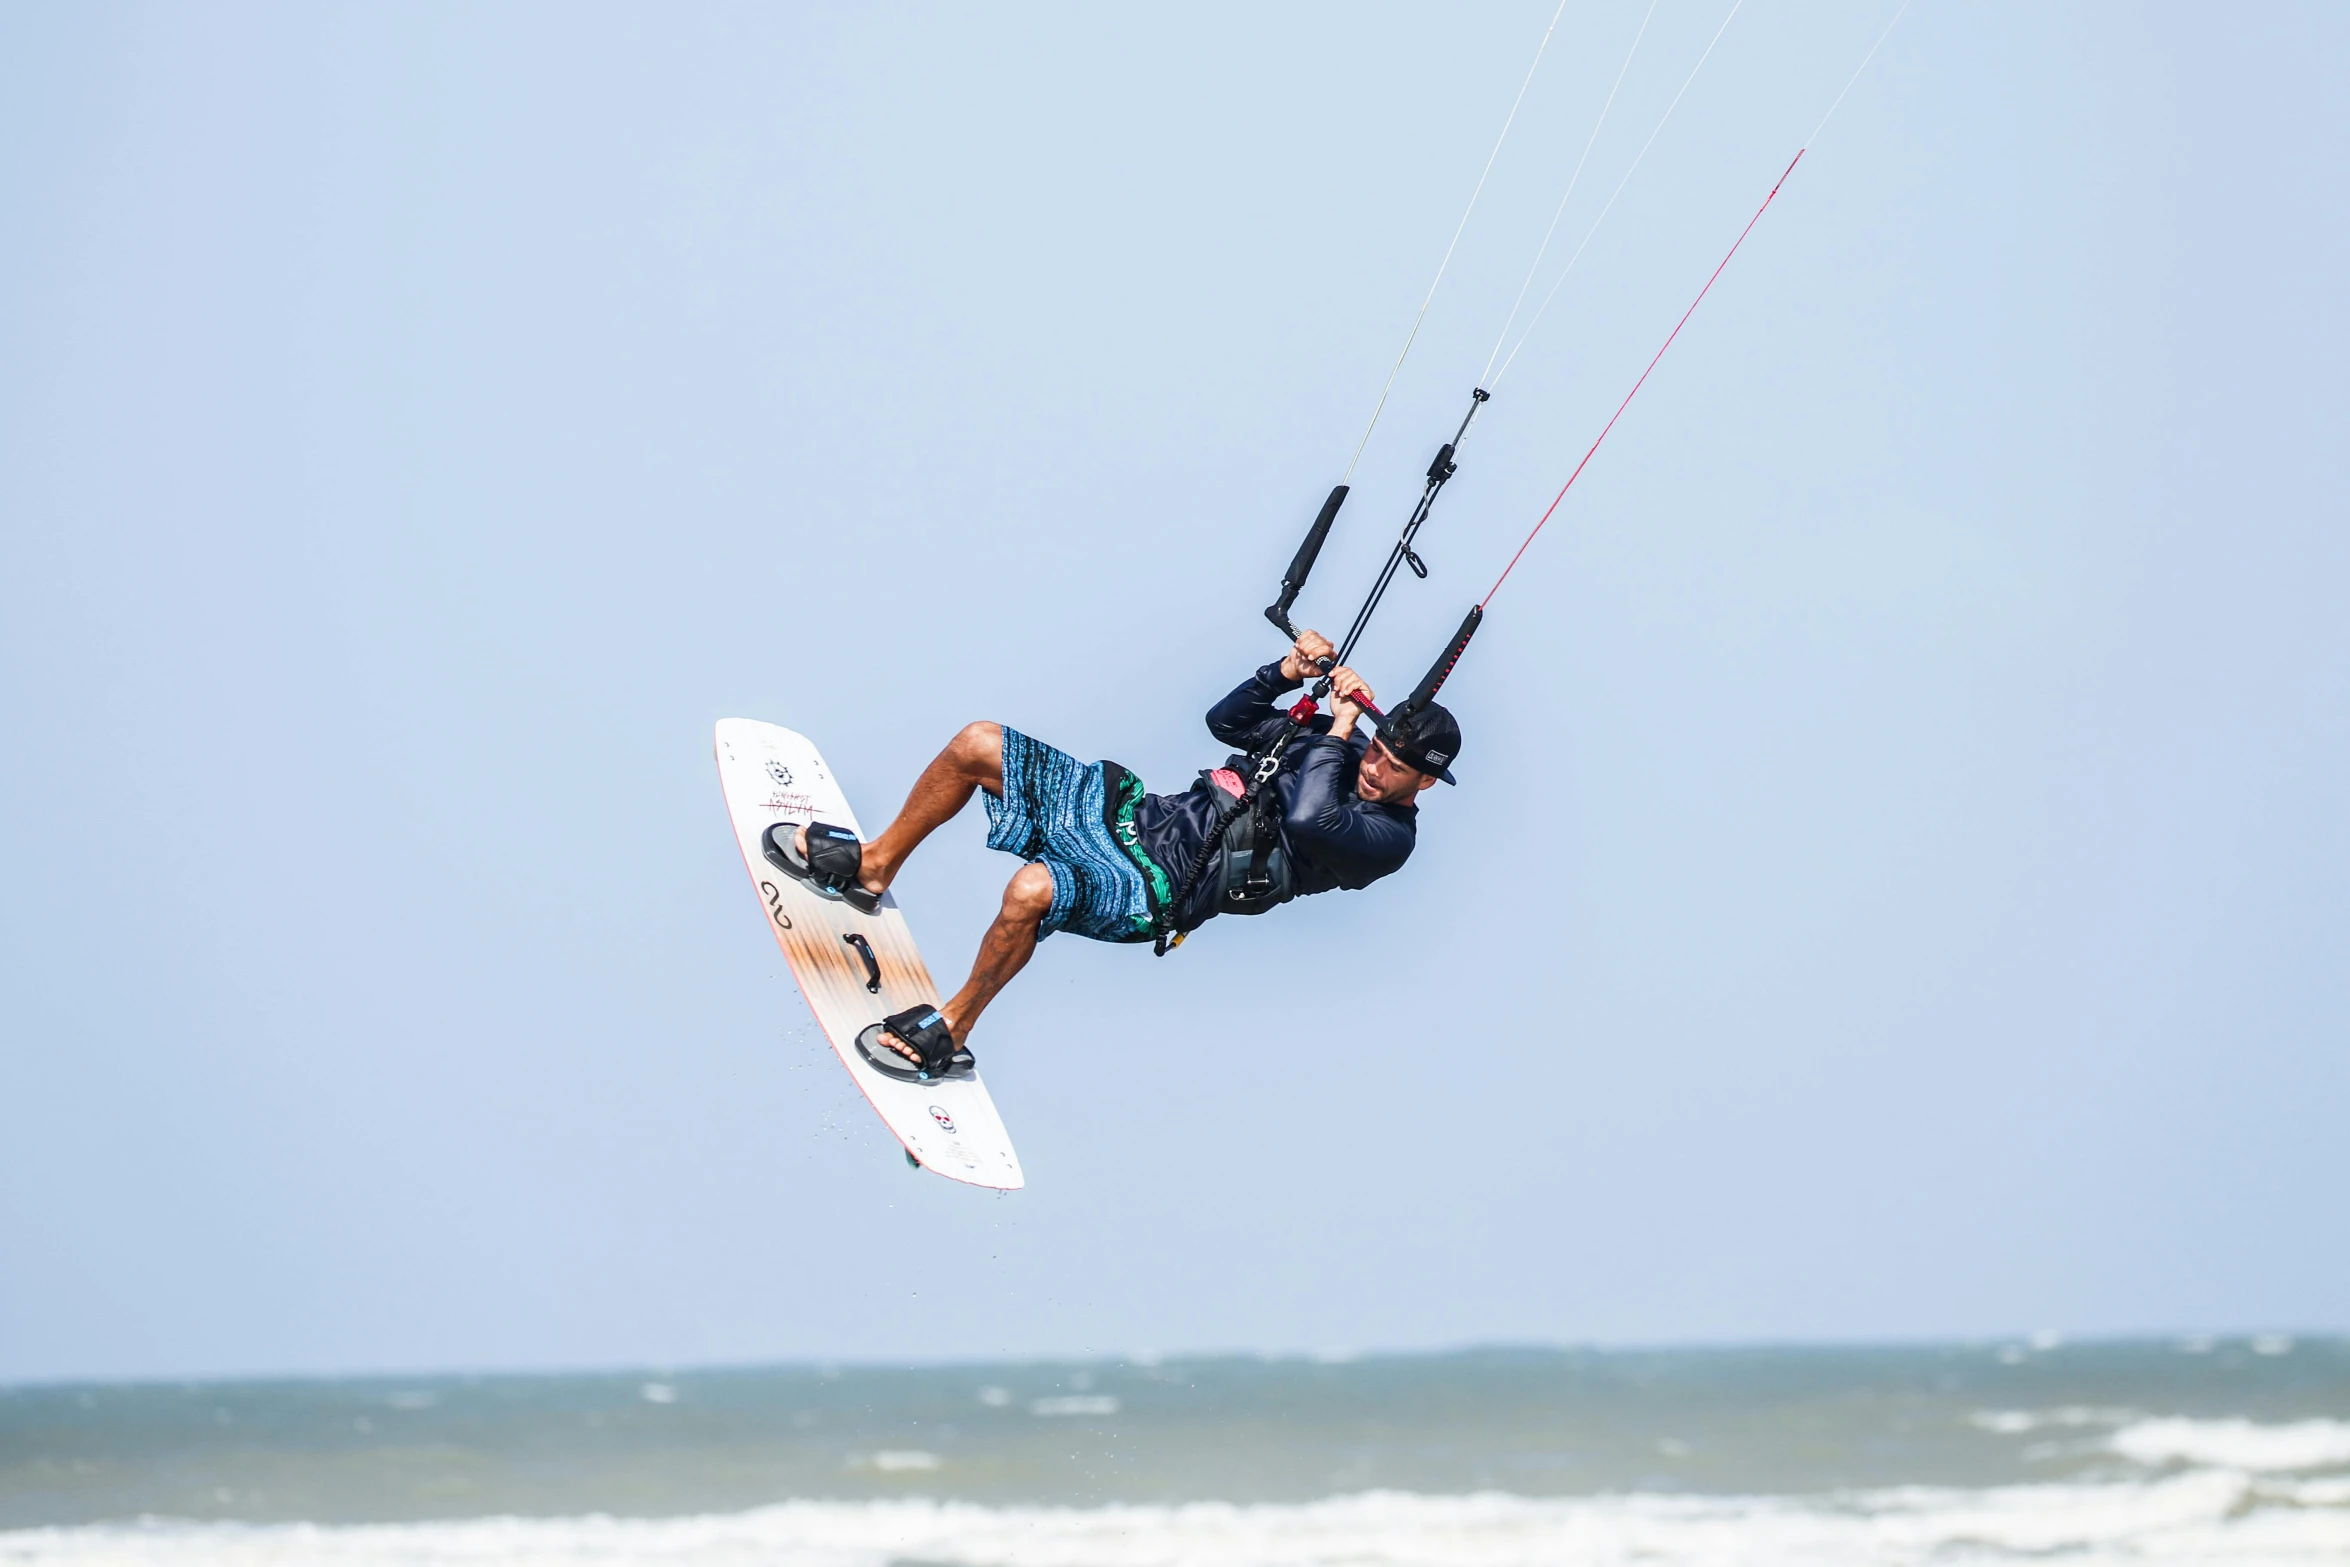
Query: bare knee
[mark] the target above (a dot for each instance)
(978, 749)
(1030, 896)
(978, 742)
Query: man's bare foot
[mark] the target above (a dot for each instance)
(922, 1038)
(912, 1056)
(867, 877)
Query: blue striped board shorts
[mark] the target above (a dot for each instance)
(1076, 819)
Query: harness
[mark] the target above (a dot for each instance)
(1251, 870)
(1254, 868)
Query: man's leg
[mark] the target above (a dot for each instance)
(973, 759)
(1005, 950)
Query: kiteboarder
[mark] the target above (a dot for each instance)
(1107, 860)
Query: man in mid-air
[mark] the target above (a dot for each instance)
(1107, 861)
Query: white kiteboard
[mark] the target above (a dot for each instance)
(950, 1125)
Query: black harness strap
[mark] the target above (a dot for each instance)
(1264, 837)
(1166, 937)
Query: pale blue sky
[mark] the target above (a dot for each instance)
(1902, 801)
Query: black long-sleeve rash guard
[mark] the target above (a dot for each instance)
(1334, 837)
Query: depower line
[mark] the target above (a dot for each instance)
(1458, 229)
(1611, 200)
(1572, 180)
(1693, 304)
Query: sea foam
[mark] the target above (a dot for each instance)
(2237, 1444)
(2213, 1517)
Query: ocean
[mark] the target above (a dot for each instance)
(2196, 1450)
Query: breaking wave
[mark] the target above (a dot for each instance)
(2220, 1517)
(2237, 1444)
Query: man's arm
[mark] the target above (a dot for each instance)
(1327, 824)
(1248, 719)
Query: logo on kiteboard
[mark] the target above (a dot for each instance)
(946, 1122)
(775, 905)
(780, 773)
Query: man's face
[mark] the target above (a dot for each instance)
(1388, 779)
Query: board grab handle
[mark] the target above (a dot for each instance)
(1301, 565)
(872, 963)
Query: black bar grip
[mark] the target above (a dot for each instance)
(1441, 670)
(1301, 565)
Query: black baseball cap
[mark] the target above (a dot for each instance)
(1427, 737)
